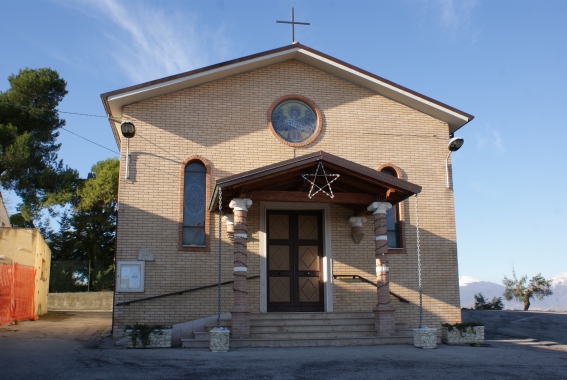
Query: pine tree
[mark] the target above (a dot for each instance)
(29, 121)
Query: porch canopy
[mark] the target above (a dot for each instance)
(356, 188)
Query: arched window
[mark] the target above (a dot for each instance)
(194, 210)
(394, 222)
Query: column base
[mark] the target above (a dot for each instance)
(240, 324)
(385, 320)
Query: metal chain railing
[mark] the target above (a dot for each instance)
(418, 262)
(220, 259)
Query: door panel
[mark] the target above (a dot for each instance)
(295, 252)
(279, 257)
(308, 258)
(279, 227)
(307, 227)
(280, 289)
(309, 289)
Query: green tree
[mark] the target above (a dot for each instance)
(480, 303)
(521, 291)
(29, 122)
(87, 231)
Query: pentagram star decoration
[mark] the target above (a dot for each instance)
(319, 188)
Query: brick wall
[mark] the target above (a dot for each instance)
(225, 122)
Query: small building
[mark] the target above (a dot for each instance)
(25, 261)
(4, 219)
(301, 174)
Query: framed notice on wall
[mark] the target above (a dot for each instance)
(130, 277)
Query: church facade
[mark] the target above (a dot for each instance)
(309, 178)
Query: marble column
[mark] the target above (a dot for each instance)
(240, 310)
(384, 312)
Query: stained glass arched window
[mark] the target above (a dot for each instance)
(194, 192)
(393, 218)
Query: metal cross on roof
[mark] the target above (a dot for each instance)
(292, 22)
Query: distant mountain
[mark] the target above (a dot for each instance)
(469, 286)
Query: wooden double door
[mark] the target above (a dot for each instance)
(295, 261)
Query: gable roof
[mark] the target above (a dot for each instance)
(356, 187)
(114, 101)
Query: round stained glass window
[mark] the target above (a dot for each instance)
(295, 121)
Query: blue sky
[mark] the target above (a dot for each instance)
(505, 62)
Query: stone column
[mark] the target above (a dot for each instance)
(240, 310)
(384, 312)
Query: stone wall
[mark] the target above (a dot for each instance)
(80, 301)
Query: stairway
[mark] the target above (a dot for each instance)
(307, 329)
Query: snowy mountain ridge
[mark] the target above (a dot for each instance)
(469, 286)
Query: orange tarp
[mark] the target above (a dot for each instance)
(17, 284)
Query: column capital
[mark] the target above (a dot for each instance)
(356, 221)
(379, 207)
(228, 219)
(240, 204)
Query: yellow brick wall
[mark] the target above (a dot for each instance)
(226, 123)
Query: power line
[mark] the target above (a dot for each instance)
(84, 138)
(92, 142)
(46, 110)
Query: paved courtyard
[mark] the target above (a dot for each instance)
(77, 345)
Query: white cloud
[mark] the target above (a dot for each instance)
(149, 42)
(455, 17)
(456, 14)
(489, 138)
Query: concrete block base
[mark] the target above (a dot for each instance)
(219, 339)
(425, 337)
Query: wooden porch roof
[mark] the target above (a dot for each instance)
(356, 188)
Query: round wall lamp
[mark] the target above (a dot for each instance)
(454, 145)
(128, 129)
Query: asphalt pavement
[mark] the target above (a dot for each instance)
(77, 345)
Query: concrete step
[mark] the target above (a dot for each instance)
(317, 316)
(327, 342)
(313, 335)
(301, 328)
(255, 323)
(311, 322)
(291, 335)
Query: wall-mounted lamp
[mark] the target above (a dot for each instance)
(356, 228)
(229, 220)
(128, 131)
(454, 145)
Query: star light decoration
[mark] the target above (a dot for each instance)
(319, 188)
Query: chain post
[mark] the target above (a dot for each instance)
(220, 259)
(418, 262)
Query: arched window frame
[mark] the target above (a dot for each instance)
(205, 163)
(399, 213)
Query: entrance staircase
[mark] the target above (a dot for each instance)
(306, 329)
